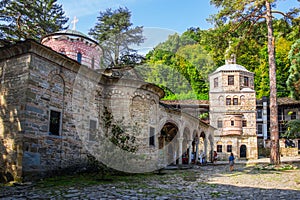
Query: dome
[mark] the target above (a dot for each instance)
(231, 67)
(75, 45)
(71, 33)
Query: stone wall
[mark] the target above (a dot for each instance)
(13, 91)
(52, 116)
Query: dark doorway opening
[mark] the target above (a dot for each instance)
(243, 151)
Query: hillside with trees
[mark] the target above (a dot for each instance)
(182, 63)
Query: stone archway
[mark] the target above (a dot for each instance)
(168, 142)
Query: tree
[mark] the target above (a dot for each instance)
(248, 13)
(293, 129)
(293, 81)
(24, 19)
(114, 33)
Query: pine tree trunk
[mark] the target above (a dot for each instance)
(274, 157)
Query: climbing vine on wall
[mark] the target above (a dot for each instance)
(117, 134)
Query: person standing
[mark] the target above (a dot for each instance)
(215, 157)
(231, 161)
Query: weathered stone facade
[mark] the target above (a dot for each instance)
(53, 112)
(232, 107)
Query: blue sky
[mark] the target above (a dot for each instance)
(159, 18)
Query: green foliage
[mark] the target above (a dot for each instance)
(114, 33)
(293, 129)
(181, 65)
(293, 81)
(23, 19)
(204, 115)
(117, 134)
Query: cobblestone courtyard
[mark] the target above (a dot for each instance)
(199, 182)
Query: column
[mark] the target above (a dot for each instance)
(197, 149)
(180, 140)
(190, 151)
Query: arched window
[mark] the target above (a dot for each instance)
(228, 100)
(79, 57)
(235, 101)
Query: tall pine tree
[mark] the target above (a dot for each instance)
(249, 12)
(24, 19)
(115, 34)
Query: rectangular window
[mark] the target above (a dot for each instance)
(229, 148)
(219, 148)
(259, 129)
(152, 136)
(228, 101)
(244, 123)
(220, 124)
(246, 81)
(232, 123)
(93, 129)
(293, 116)
(235, 101)
(259, 114)
(54, 122)
(216, 82)
(230, 80)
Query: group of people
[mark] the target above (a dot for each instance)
(202, 159)
(230, 159)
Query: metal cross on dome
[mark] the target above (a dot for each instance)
(75, 20)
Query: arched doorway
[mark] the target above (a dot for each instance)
(243, 151)
(167, 142)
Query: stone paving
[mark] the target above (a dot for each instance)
(198, 182)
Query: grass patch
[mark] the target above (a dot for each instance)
(215, 194)
(282, 167)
